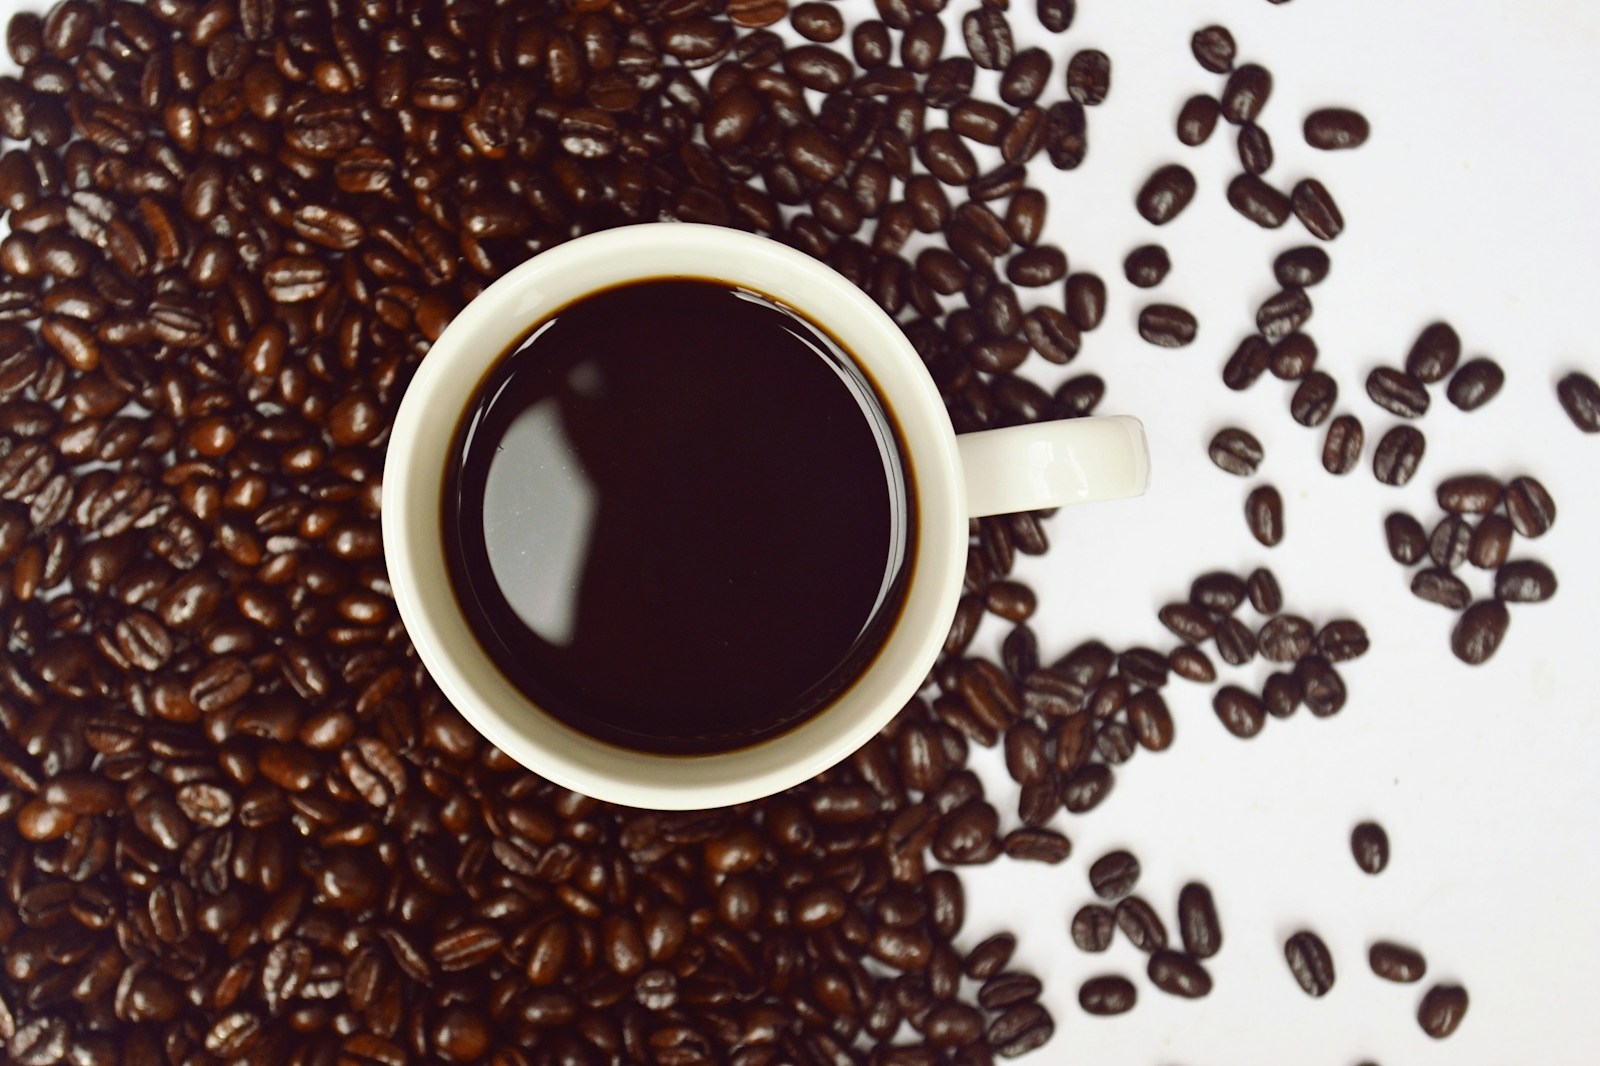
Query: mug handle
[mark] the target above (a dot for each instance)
(1049, 464)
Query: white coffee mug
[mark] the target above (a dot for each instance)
(991, 472)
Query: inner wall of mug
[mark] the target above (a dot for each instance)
(415, 475)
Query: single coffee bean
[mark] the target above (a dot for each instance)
(1529, 506)
(1107, 995)
(1066, 134)
(1165, 194)
(1262, 204)
(1314, 206)
(1265, 594)
(1282, 694)
(1283, 313)
(1026, 76)
(1246, 93)
(1405, 536)
(1178, 974)
(1309, 962)
(1322, 689)
(1293, 356)
(1341, 448)
(1236, 644)
(1197, 119)
(1255, 149)
(1093, 927)
(1396, 962)
(1020, 1029)
(1304, 266)
(1086, 300)
(1218, 591)
(1369, 843)
(990, 957)
(1332, 128)
(1441, 1011)
(1434, 353)
(1397, 392)
(1214, 49)
(1263, 513)
(1086, 788)
(1469, 494)
(988, 37)
(1167, 326)
(1491, 542)
(1286, 638)
(1145, 667)
(1192, 664)
(1479, 631)
(1188, 621)
(1056, 15)
(1475, 383)
(1579, 396)
(1397, 455)
(1089, 77)
(1037, 266)
(1198, 923)
(1114, 874)
(1146, 266)
(1448, 543)
(1240, 712)
(1141, 925)
(1524, 581)
(1341, 640)
(1439, 585)
(1247, 363)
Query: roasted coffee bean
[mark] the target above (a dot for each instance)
(1469, 494)
(1263, 513)
(1214, 49)
(1397, 392)
(1188, 621)
(1332, 128)
(1025, 77)
(1396, 962)
(1247, 363)
(1439, 585)
(1020, 1029)
(1475, 383)
(1167, 326)
(1236, 451)
(1086, 788)
(1056, 15)
(1255, 149)
(1141, 924)
(1107, 995)
(1218, 591)
(1114, 874)
(1447, 544)
(1286, 638)
(1395, 460)
(1314, 206)
(1197, 119)
(1441, 1011)
(1370, 846)
(1259, 202)
(1093, 927)
(1309, 962)
(1321, 687)
(1192, 664)
(1036, 844)
(1524, 581)
(1283, 313)
(1491, 542)
(1246, 93)
(1479, 631)
(1178, 974)
(1089, 77)
(1235, 643)
(1293, 356)
(1086, 300)
(1146, 266)
(1434, 353)
(1304, 266)
(1405, 536)
(1341, 448)
(1037, 266)
(1165, 194)
(815, 22)
(990, 957)
(1341, 640)
(1529, 506)
(1579, 396)
(1264, 592)
(1282, 694)
(1240, 712)
(988, 37)
(1198, 923)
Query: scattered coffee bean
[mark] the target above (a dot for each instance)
(1397, 392)
(1236, 451)
(1266, 596)
(1114, 874)
(1165, 194)
(1405, 536)
(1529, 506)
(1093, 927)
(1246, 93)
(1491, 542)
(1218, 591)
(1304, 266)
(1439, 585)
(1255, 149)
(1370, 846)
(1286, 638)
(1579, 395)
(1341, 640)
(1089, 77)
(1236, 644)
(1341, 448)
(1282, 694)
(1309, 962)
(1524, 581)
(1441, 1011)
(1247, 363)
(988, 37)
(1214, 49)
(1321, 687)
(1192, 664)
(1263, 512)
(1314, 206)
(1475, 383)
(1086, 300)
(1283, 313)
(1107, 995)
(1259, 202)
(1197, 119)
(1178, 974)
(1167, 326)
(1396, 962)
(1293, 356)
(1397, 455)
(1469, 494)
(1198, 923)
(1448, 543)
(1240, 712)
(1479, 631)
(1332, 128)
(1141, 924)
(1434, 353)
(1056, 15)
(1146, 266)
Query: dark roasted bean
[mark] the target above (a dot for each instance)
(1037, 844)
(1165, 194)
(1240, 712)
(1331, 128)
(1191, 663)
(1341, 448)
(1178, 975)
(1283, 313)
(1086, 300)
(1491, 542)
(1304, 266)
(1447, 544)
(1093, 927)
(1197, 119)
(1247, 363)
(988, 37)
(1397, 392)
(1026, 76)
(1066, 135)
(1341, 640)
(1579, 396)
(1475, 383)
(1255, 149)
(1246, 93)
(1529, 506)
(1214, 49)
(1263, 512)
(1434, 353)
(1020, 1029)
(1293, 357)
(1198, 924)
(1524, 581)
(1441, 1011)
(1236, 451)
(1114, 874)
(1146, 266)
(1089, 76)
(1263, 590)
(1285, 638)
(1167, 326)
(1469, 494)
(1396, 962)
(1108, 994)
(1395, 460)
(1140, 924)
(1315, 208)
(1320, 685)
(1479, 631)
(1370, 846)
(1235, 643)
(1309, 962)
(1439, 585)
(1406, 538)
(1259, 202)
(1054, 15)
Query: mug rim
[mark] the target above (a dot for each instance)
(485, 331)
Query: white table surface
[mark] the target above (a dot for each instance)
(1474, 202)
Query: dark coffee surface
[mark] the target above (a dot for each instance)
(676, 517)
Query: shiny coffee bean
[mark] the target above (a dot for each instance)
(1475, 383)
(1524, 581)
(1089, 77)
(1214, 49)
(1469, 494)
(1369, 843)
(1479, 631)
(1529, 506)
(1240, 712)
(1141, 924)
(1283, 313)
(1310, 963)
(1246, 93)
(1397, 392)
(1262, 204)
(1441, 1011)
(1178, 974)
(1579, 396)
(1114, 874)
(1286, 638)
(1198, 923)
(1396, 962)
(1165, 194)
(1093, 927)
(1167, 326)
(1341, 448)
(1107, 995)
(1263, 512)
(1332, 128)
(1255, 149)
(1304, 266)
(1434, 353)
(1314, 206)
(1491, 542)
(1236, 451)
(1197, 119)
(1146, 266)
(1405, 537)
(1448, 543)
(1439, 585)
(1247, 363)
(1395, 460)
(1265, 594)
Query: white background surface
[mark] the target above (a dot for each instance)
(1474, 201)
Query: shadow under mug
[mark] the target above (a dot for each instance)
(997, 471)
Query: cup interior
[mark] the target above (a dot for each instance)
(416, 467)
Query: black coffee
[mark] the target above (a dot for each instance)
(678, 517)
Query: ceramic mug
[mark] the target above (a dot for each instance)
(1019, 468)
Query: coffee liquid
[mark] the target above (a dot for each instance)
(678, 517)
